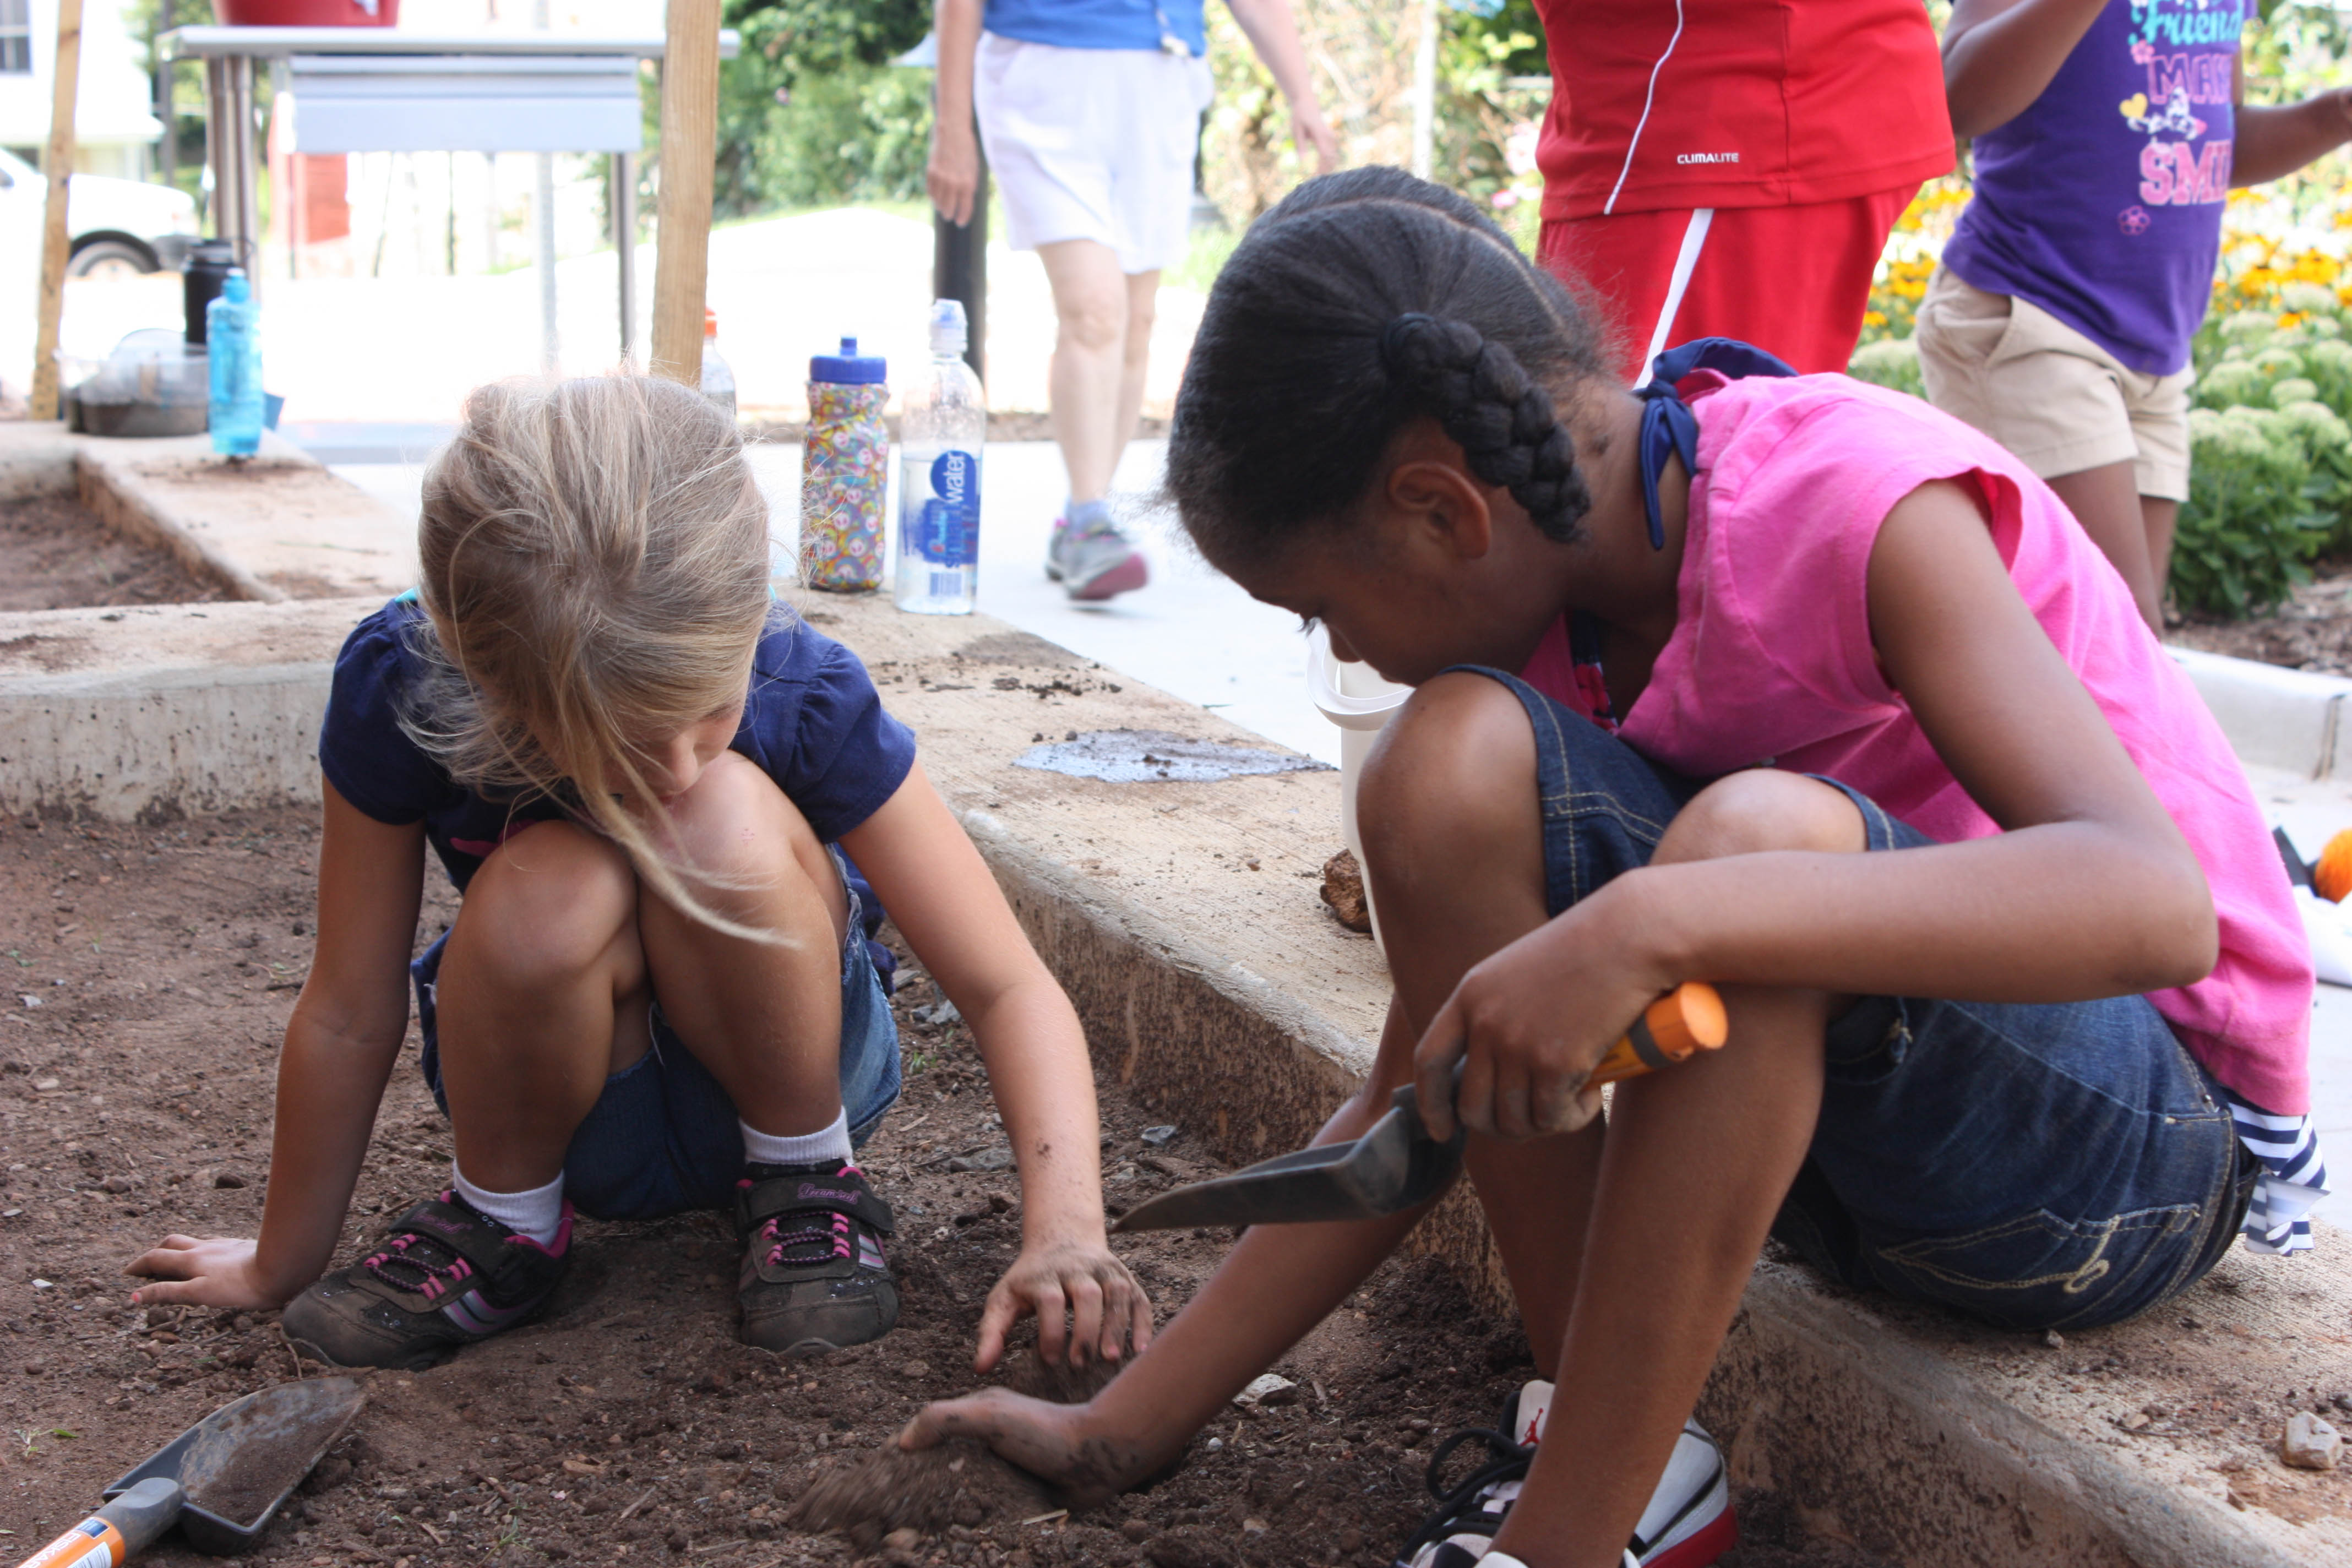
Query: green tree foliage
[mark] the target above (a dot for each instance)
(812, 112)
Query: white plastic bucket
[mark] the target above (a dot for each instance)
(1355, 698)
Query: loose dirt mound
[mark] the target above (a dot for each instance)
(627, 1424)
(55, 555)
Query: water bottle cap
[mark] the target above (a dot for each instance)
(950, 332)
(709, 322)
(848, 367)
(235, 287)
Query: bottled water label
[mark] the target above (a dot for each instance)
(941, 511)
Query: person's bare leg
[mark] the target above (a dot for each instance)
(1453, 846)
(1142, 310)
(1673, 1237)
(2106, 502)
(542, 995)
(1084, 381)
(764, 1018)
(2160, 515)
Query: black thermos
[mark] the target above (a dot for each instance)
(208, 266)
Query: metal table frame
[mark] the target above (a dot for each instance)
(229, 53)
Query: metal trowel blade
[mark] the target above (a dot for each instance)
(1393, 1166)
(239, 1463)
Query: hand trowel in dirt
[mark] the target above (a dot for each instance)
(221, 1480)
(1397, 1164)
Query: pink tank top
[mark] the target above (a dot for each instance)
(1770, 663)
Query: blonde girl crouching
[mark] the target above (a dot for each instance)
(657, 995)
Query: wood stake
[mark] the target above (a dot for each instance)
(53, 215)
(689, 135)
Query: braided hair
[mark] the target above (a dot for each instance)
(1364, 301)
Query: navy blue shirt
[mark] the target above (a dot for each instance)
(812, 720)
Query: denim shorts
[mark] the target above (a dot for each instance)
(2038, 1166)
(664, 1136)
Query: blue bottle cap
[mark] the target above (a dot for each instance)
(848, 367)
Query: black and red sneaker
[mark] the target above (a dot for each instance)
(442, 1277)
(1688, 1523)
(814, 1278)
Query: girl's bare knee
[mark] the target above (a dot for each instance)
(1763, 809)
(1455, 770)
(735, 819)
(545, 905)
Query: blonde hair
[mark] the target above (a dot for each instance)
(594, 572)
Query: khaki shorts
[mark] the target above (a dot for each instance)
(2050, 394)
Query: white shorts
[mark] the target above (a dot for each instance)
(1092, 145)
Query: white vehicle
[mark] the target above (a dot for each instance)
(117, 227)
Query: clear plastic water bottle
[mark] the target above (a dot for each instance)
(234, 352)
(943, 424)
(718, 375)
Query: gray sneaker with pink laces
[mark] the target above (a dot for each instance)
(814, 1278)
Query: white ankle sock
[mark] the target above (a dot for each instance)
(827, 1144)
(537, 1214)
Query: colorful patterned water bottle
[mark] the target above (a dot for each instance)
(845, 472)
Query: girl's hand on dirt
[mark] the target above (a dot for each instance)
(213, 1271)
(1083, 1281)
(1048, 1440)
(1529, 1022)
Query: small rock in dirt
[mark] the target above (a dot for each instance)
(117, 1185)
(916, 1371)
(2342, 1400)
(2053, 1339)
(1158, 1136)
(1343, 891)
(1263, 1387)
(1137, 1531)
(997, 1158)
(228, 1180)
(2310, 1443)
(903, 1540)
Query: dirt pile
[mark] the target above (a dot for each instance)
(627, 1424)
(55, 555)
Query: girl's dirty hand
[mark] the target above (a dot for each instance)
(1085, 1301)
(1529, 1025)
(1050, 1441)
(210, 1271)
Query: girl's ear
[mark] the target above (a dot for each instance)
(1429, 491)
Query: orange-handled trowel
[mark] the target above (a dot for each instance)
(220, 1481)
(1397, 1164)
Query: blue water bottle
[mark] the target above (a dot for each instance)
(235, 355)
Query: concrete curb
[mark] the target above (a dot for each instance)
(2274, 718)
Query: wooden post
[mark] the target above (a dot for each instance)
(690, 136)
(53, 215)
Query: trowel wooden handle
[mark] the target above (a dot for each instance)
(1676, 1026)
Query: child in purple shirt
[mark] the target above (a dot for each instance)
(2108, 134)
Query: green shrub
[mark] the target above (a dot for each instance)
(1889, 361)
(2260, 506)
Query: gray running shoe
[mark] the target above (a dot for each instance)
(1093, 559)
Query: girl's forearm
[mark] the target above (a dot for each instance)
(2274, 141)
(1994, 68)
(2063, 912)
(1276, 1284)
(1045, 1090)
(329, 1088)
